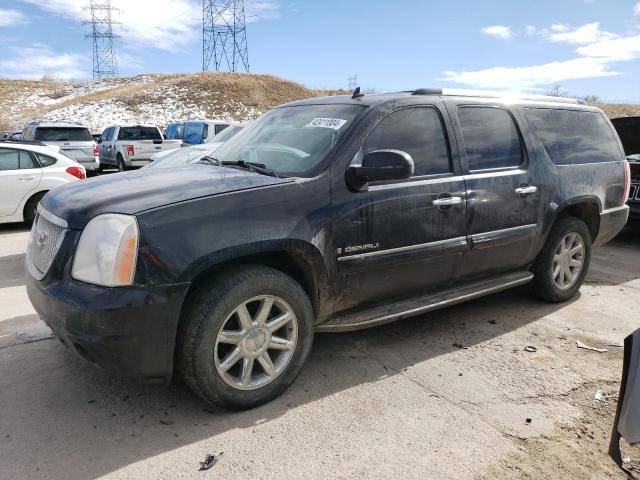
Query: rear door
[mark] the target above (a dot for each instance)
(106, 146)
(503, 197)
(404, 237)
(19, 177)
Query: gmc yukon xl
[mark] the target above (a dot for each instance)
(324, 215)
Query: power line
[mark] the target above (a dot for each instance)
(105, 63)
(224, 36)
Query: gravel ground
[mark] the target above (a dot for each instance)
(399, 401)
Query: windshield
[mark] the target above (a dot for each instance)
(63, 134)
(227, 133)
(181, 157)
(291, 141)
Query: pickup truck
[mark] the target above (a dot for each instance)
(129, 146)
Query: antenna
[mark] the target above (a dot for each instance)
(224, 36)
(104, 55)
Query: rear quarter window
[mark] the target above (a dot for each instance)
(573, 137)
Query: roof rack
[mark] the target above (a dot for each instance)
(453, 92)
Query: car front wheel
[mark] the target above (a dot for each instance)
(244, 337)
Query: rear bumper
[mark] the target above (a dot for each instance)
(89, 164)
(130, 331)
(137, 162)
(612, 221)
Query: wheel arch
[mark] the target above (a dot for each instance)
(23, 209)
(586, 208)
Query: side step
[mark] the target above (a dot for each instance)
(348, 321)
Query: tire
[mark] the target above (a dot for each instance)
(547, 286)
(211, 309)
(31, 208)
(120, 163)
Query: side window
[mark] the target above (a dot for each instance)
(9, 159)
(417, 131)
(45, 160)
(104, 136)
(26, 160)
(571, 137)
(491, 138)
(220, 127)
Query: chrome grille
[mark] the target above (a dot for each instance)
(634, 192)
(46, 236)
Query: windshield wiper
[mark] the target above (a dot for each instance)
(210, 161)
(253, 167)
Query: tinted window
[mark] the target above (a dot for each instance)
(417, 131)
(571, 137)
(106, 135)
(15, 159)
(63, 134)
(220, 128)
(139, 133)
(45, 160)
(490, 137)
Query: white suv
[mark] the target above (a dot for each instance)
(28, 170)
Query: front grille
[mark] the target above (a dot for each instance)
(46, 237)
(634, 192)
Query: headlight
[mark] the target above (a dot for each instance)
(107, 251)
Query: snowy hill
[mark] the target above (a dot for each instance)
(155, 99)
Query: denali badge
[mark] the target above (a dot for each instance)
(40, 238)
(359, 248)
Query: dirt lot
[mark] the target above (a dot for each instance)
(400, 401)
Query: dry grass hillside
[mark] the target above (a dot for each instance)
(157, 98)
(161, 98)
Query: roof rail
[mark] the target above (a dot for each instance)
(24, 142)
(494, 94)
(427, 91)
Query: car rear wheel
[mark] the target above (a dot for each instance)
(244, 337)
(31, 208)
(121, 165)
(561, 267)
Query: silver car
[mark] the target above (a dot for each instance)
(74, 140)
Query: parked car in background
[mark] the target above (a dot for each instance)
(328, 214)
(183, 157)
(129, 146)
(226, 134)
(628, 129)
(28, 170)
(194, 132)
(17, 135)
(74, 140)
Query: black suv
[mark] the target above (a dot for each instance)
(330, 214)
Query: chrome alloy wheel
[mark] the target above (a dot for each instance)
(568, 261)
(256, 342)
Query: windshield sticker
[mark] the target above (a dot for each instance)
(334, 123)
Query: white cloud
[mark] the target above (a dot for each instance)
(37, 60)
(530, 29)
(584, 35)
(9, 18)
(498, 31)
(617, 49)
(531, 76)
(559, 27)
(636, 9)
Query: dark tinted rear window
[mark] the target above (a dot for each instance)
(572, 137)
(490, 137)
(63, 134)
(139, 133)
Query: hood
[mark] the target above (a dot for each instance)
(134, 192)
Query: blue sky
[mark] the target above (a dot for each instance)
(584, 46)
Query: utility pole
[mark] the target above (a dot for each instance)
(104, 55)
(353, 81)
(224, 36)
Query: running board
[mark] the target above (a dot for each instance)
(344, 322)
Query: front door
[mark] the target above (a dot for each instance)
(19, 176)
(401, 238)
(503, 199)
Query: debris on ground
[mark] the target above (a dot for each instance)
(579, 344)
(527, 421)
(530, 349)
(599, 396)
(209, 461)
(460, 345)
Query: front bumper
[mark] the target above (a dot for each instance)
(130, 331)
(612, 221)
(634, 211)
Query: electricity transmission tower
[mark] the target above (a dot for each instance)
(224, 36)
(353, 81)
(104, 55)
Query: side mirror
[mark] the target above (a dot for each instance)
(627, 422)
(380, 166)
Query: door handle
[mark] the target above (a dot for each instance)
(526, 190)
(447, 201)
(26, 178)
